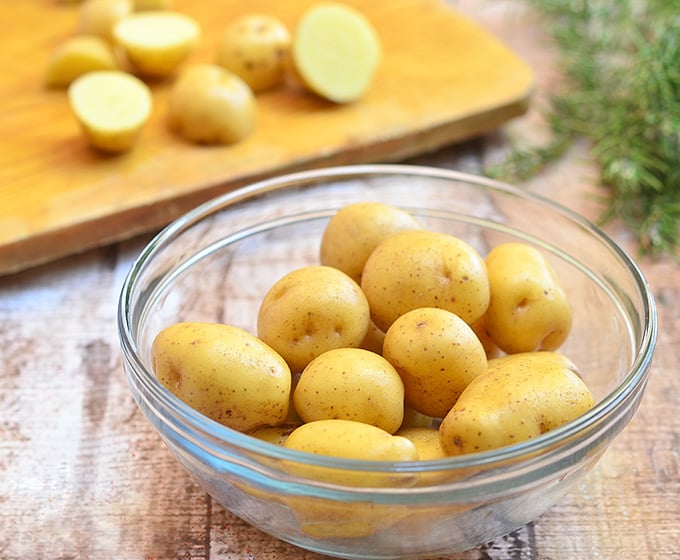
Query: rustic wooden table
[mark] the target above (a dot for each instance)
(82, 474)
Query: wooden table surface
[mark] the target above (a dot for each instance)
(82, 474)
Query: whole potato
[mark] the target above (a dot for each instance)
(224, 373)
(528, 309)
(356, 229)
(312, 310)
(254, 47)
(79, 55)
(412, 269)
(517, 398)
(209, 105)
(349, 439)
(352, 384)
(437, 355)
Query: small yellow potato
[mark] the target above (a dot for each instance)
(347, 439)
(437, 355)
(335, 51)
(112, 107)
(209, 105)
(224, 373)
(518, 397)
(156, 42)
(255, 47)
(427, 442)
(412, 269)
(356, 230)
(351, 384)
(98, 17)
(79, 55)
(350, 440)
(528, 310)
(312, 310)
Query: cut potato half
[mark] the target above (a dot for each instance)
(79, 55)
(156, 42)
(336, 52)
(112, 107)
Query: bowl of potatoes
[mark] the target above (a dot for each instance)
(385, 361)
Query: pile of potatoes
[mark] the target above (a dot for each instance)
(122, 44)
(402, 344)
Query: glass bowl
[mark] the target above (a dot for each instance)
(215, 264)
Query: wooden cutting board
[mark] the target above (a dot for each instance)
(442, 79)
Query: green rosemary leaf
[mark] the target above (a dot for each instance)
(621, 63)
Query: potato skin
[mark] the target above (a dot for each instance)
(356, 230)
(437, 355)
(353, 384)
(412, 269)
(312, 310)
(348, 439)
(255, 47)
(209, 105)
(528, 310)
(517, 398)
(224, 373)
(77, 56)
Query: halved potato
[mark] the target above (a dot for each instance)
(112, 107)
(156, 42)
(335, 51)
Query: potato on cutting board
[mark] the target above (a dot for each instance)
(156, 42)
(210, 105)
(255, 47)
(112, 107)
(335, 51)
(77, 56)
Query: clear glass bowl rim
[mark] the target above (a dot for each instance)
(213, 432)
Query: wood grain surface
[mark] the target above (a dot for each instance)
(83, 475)
(441, 79)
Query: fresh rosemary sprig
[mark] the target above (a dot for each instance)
(621, 62)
